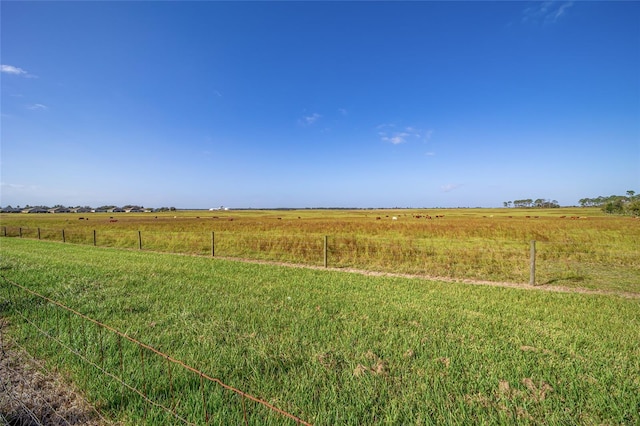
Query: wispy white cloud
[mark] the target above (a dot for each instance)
(547, 12)
(388, 133)
(37, 107)
(450, 187)
(12, 185)
(395, 138)
(310, 119)
(10, 69)
(343, 112)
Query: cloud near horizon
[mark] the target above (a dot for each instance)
(450, 187)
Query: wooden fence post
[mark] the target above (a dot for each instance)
(140, 240)
(38, 233)
(94, 238)
(20, 230)
(326, 250)
(532, 263)
(64, 239)
(213, 251)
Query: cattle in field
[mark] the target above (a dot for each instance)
(378, 218)
(113, 220)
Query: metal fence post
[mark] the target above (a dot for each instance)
(140, 240)
(213, 251)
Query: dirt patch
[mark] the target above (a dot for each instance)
(29, 395)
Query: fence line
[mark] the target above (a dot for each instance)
(501, 260)
(169, 375)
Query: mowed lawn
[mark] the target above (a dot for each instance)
(343, 348)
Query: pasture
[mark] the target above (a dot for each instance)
(592, 251)
(336, 347)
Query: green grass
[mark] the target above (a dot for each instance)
(341, 348)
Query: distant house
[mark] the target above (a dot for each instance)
(115, 210)
(10, 210)
(134, 210)
(81, 210)
(59, 210)
(35, 210)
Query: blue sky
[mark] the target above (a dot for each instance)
(318, 104)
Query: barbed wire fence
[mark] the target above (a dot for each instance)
(31, 394)
(139, 377)
(514, 261)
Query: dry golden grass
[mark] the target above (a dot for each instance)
(575, 247)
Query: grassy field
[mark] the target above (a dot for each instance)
(594, 252)
(342, 348)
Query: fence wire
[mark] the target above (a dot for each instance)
(175, 390)
(32, 395)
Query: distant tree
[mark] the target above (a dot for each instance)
(614, 207)
(633, 208)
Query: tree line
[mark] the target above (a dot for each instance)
(615, 204)
(528, 202)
